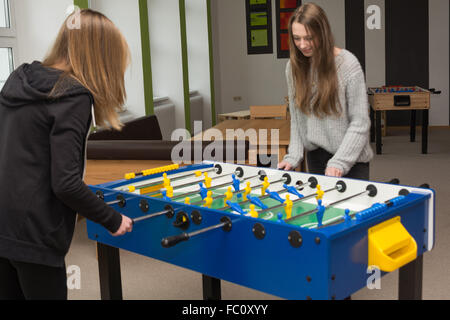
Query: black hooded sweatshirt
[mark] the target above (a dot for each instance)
(42, 158)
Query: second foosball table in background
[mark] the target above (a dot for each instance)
(399, 98)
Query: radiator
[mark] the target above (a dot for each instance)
(196, 101)
(165, 112)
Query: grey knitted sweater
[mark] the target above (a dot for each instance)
(346, 136)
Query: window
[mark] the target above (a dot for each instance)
(6, 65)
(4, 14)
(7, 40)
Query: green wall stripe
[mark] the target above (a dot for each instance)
(82, 4)
(184, 56)
(146, 58)
(211, 63)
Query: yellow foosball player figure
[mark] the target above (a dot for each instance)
(207, 180)
(187, 200)
(265, 185)
(166, 180)
(169, 190)
(320, 193)
(288, 207)
(228, 195)
(253, 212)
(208, 200)
(198, 173)
(247, 191)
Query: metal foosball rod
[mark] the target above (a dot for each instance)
(340, 186)
(132, 175)
(217, 169)
(349, 216)
(312, 182)
(121, 201)
(260, 175)
(169, 212)
(371, 191)
(171, 241)
(388, 203)
(238, 172)
(285, 179)
(188, 184)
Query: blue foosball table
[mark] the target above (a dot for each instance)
(290, 234)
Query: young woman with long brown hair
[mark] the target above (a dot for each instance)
(46, 112)
(327, 99)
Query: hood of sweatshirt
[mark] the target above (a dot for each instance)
(33, 82)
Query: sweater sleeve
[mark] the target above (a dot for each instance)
(70, 119)
(357, 135)
(295, 150)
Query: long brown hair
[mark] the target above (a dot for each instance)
(325, 102)
(95, 54)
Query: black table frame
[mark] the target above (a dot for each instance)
(409, 288)
(375, 130)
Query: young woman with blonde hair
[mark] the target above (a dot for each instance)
(46, 112)
(328, 101)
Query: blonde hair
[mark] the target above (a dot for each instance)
(96, 55)
(326, 100)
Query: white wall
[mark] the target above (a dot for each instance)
(439, 61)
(125, 15)
(249, 79)
(37, 25)
(375, 48)
(198, 54)
(165, 42)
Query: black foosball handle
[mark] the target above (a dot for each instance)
(173, 240)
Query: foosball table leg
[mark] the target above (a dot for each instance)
(413, 126)
(425, 122)
(378, 134)
(372, 125)
(410, 280)
(109, 272)
(211, 288)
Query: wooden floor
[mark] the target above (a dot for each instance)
(102, 171)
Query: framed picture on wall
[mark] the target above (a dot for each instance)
(284, 10)
(259, 26)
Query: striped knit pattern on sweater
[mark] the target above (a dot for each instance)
(345, 136)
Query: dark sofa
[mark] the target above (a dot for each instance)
(141, 139)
